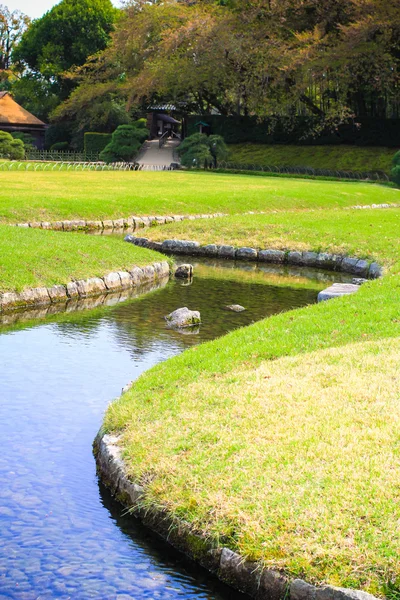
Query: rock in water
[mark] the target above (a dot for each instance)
(184, 271)
(183, 317)
(235, 308)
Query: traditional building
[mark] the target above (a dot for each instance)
(14, 118)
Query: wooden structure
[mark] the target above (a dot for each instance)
(160, 123)
(14, 118)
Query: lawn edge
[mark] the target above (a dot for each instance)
(230, 567)
(116, 281)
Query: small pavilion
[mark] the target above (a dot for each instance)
(14, 118)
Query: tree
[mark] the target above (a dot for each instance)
(11, 148)
(12, 26)
(200, 150)
(125, 144)
(395, 172)
(65, 37)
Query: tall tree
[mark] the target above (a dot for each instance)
(12, 26)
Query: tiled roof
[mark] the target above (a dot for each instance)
(12, 113)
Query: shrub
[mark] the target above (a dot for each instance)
(395, 172)
(11, 148)
(200, 150)
(27, 139)
(94, 143)
(125, 144)
(60, 146)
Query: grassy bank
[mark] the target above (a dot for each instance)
(371, 234)
(287, 445)
(33, 258)
(344, 158)
(51, 196)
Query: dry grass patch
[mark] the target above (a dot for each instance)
(294, 463)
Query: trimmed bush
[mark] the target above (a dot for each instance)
(60, 146)
(395, 172)
(125, 144)
(200, 150)
(94, 143)
(11, 148)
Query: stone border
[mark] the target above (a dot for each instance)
(131, 223)
(84, 288)
(248, 577)
(323, 260)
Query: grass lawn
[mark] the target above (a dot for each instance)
(33, 258)
(345, 158)
(50, 196)
(287, 448)
(371, 234)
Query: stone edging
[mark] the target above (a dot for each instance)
(132, 223)
(230, 567)
(85, 288)
(322, 260)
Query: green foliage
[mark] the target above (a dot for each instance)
(60, 146)
(58, 132)
(200, 150)
(36, 94)
(10, 147)
(27, 139)
(125, 144)
(140, 123)
(94, 143)
(395, 172)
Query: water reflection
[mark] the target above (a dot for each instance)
(61, 536)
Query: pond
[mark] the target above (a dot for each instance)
(62, 536)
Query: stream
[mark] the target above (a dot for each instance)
(62, 535)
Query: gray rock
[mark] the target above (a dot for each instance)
(300, 590)
(375, 271)
(273, 585)
(180, 246)
(118, 223)
(155, 246)
(137, 275)
(112, 281)
(91, 287)
(336, 593)
(183, 317)
(309, 259)
(358, 281)
(126, 279)
(184, 271)
(72, 290)
(34, 296)
(361, 268)
(243, 575)
(349, 264)
(209, 250)
(295, 258)
(226, 252)
(272, 256)
(235, 308)
(9, 300)
(148, 273)
(94, 225)
(108, 224)
(57, 293)
(246, 254)
(161, 269)
(336, 290)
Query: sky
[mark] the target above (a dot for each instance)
(34, 8)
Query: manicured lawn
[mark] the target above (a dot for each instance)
(33, 258)
(345, 158)
(371, 234)
(49, 196)
(287, 448)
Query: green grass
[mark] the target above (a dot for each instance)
(344, 158)
(33, 258)
(50, 196)
(287, 448)
(370, 234)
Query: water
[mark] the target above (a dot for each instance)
(62, 536)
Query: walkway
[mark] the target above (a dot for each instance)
(153, 155)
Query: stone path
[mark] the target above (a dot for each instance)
(153, 155)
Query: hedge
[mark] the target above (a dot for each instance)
(286, 130)
(94, 143)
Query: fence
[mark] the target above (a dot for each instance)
(309, 171)
(82, 166)
(61, 156)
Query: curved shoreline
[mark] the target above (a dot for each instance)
(85, 288)
(231, 568)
